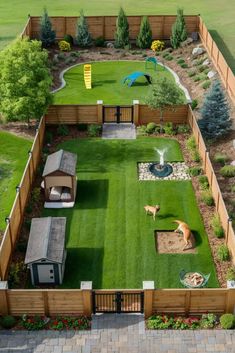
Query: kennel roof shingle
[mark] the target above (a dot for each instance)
(62, 161)
(46, 239)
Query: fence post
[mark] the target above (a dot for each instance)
(227, 230)
(100, 111)
(86, 287)
(136, 111)
(230, 301)
(4, 307)
(148, 287)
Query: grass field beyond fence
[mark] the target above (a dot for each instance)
(110, 240)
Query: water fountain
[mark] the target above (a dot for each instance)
(161, 169)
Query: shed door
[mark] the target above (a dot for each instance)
(46, 273)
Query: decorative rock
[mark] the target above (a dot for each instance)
(194, 62)
(194, 36)
(211, 74)
(234, 143)
(206, 62)
(186, 42)
(179, 172)
(110, 45)
(232, 163)
(197, 51)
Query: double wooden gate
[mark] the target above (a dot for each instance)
(117, 114)
(118, 302)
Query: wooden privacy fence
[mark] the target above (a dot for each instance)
(15, 219)
(215, 189)
(105, 26)
(76, 302)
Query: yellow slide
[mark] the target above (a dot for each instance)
(87, 75)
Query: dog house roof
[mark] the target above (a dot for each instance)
(46, 239)
(62, 161)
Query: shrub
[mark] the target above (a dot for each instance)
(33, 323)
(141, 130)
(158, 45)
(62, 130)
(183, 129)
(179, 33)
(227, 321)
(194, 104)
(216, 226)
(228, 171)
(206, 84)
(61, 56)
(122, 30)
(94, 130)
(191, 143)
(35, 195)
(184, 66)
(194, 171)
(68, 38)
(207, 197)
(191, 73)
(64, 46)
(144, 38)
(203, 182)
(14, 274)
(223, 253)
(169, 128)
(230, 276)
(75, 54)
(221, 158)
(100, 42)
(83, 36)
(180, 61)
(208, 321)
(150, 128)
(47, 35)
(197, 78)
(169, 57)
(196, 156)
(8, 321)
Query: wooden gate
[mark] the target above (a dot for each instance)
(118, 302)
(118, 114)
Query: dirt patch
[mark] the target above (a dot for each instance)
(169, 242)
(21, 129)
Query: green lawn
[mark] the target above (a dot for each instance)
(110, 240)
(13, 157)
(218, 16)
(107, 83)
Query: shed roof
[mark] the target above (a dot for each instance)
(46, 239)
(62, 161)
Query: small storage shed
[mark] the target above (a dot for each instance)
(59, 177)
(46, 254)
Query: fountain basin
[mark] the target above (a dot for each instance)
(159, 170)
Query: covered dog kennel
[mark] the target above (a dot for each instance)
(59, 179)
(46, 254)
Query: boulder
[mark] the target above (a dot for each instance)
(110, 45)
(198, 51)
(233, 163)
(211, 74)
(206, 62)
(186, 42)
(194, 36)
(234, 143)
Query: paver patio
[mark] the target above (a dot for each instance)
(118, 333)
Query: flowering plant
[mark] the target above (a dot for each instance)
(64, 46)
(157, 45)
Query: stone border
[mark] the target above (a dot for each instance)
(179, 172)
(176, 77)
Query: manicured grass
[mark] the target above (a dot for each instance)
(13, 157)
(110, 240)
(107, 83)
(218, 16)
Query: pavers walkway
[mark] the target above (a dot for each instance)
(118, 334)
(119, 131)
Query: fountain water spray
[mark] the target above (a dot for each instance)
(161, 155)
(161, 169)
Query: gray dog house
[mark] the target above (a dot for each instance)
(46, 254)
(59, 177)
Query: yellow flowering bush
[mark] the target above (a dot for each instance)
(157, 45)
(64, 46)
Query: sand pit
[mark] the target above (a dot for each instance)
(169, 242)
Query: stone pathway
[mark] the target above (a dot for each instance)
(118, 333)
(119, 131)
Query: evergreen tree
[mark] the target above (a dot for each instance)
(122, 30)
(215, 120)
(179, 32)
(144, 38)
(47, 35)
(84, 38)
(25, 81)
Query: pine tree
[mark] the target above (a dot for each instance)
(144, 38)
(84, 38)
(179, 32)
(47, 35)
(122, 30)
(215, 120)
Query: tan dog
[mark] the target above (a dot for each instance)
(152, 210)
(184, 228)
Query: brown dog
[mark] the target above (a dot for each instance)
(184, 228)
(152, 210)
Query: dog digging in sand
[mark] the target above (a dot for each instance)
(184, 228)
(152, 210)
